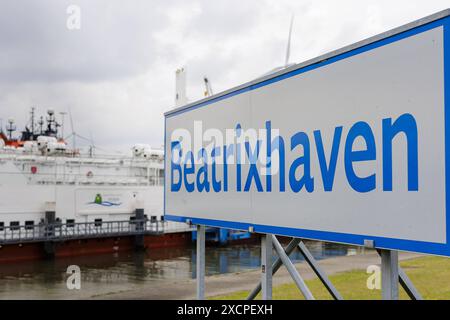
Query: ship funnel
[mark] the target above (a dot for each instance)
(180, 87)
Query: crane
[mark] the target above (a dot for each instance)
(208, 88)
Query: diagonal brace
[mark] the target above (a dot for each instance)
(319, 272)
(408, 286)
(292, 270)
(297, 243)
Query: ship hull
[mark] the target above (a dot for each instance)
(71, 248)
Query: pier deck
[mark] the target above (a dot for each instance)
(56, 232)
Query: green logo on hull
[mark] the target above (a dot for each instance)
(98, 198)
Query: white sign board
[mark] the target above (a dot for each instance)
(346, 149)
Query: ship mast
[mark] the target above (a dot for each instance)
(10, 127)
(41, 124)
(32, 123)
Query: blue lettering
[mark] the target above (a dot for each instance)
(175, 167)
(253, 170)
(299, 173)
(328, 171)
(406, 124)
(362, 129)
(217, 185)
(203, 184)
(189, 170)
(238, 160)
(301, 138)
(276, 144)
(226, 152)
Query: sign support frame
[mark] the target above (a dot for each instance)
(392, 274)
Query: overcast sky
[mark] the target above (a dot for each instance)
(116, 73)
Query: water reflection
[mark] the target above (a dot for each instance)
(124, 271)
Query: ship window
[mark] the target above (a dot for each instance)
(29, 225)
(70, 223)
(132, 220)
(2, 226)
(14, 225)
(98, 222)
(153, 219)
(162, 218)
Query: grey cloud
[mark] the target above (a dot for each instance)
(116, 74)
(115, 40)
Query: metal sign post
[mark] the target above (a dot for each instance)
(389, 274)
(266, 266)
(200, 262)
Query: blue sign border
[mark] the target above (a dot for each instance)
(354, 239)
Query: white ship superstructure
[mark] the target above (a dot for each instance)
(42, 174)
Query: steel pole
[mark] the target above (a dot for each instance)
(407, 284)
(389, 274)
(266, 266)
(200, 262)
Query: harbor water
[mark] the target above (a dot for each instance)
(112, 273)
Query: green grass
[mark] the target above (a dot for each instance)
(430, 275)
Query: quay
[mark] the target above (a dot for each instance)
(53, 239)
(223, 284)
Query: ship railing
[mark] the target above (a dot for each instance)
(78, 230)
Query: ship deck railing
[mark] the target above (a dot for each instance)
(82, 230)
